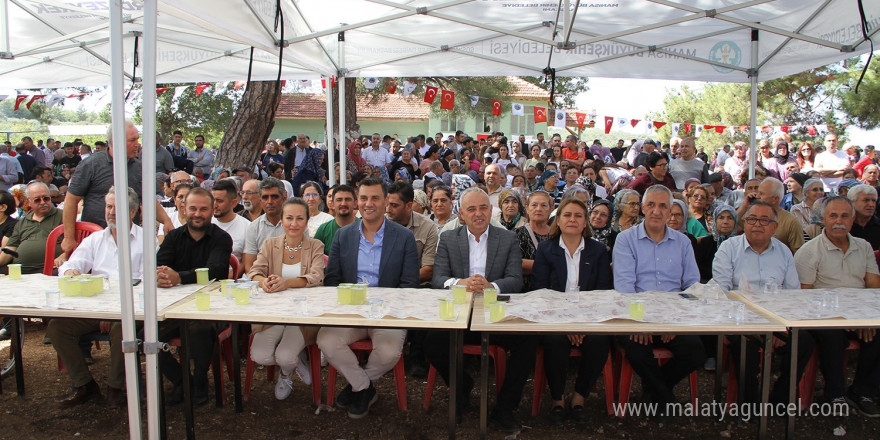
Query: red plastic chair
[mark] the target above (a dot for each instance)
(314, 365)
(496, 352)
(83, 230)
(541, 381)
(364, 346)
(808, 382)
(234, 267)
(175, 342)
(626, 376)
(733, 379)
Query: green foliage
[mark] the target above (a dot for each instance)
(566, 90)
(207, 114)
(862, 108)
(487, 88)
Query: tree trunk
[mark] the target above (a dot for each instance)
(352, 128)
(249, 129)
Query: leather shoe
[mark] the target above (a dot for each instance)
(82, 395)
(345, 397)
(557, 415)
(116, 398)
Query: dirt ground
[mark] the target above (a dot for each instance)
(36, 415)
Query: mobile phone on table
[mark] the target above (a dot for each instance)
(687, 296)
(504, 298)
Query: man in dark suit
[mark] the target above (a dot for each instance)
(384, 254)
(478, 256)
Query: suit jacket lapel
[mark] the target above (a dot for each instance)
(464, 252)
(388, 246)
(354, 242)
(492, 250)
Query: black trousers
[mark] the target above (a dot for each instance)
(202, 336)
(658, 382)
(832, 349)
(557, 348)
(779, 391)
(520, 362)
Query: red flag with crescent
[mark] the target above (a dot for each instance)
(430, 94)
(159, 90)
(496, 107)
(447, 99)
(540, 114)
(687, 128)
(391, 86)
(609, 121)
(634, 122)
(720, 128)
(581, 118)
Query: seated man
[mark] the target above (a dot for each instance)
(478, 256)
(654, 257)
(759, 258)
(384, 254)
(27, 245)
(837, 259)
(198, 243)
(97, 254)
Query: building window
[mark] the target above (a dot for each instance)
(522, 124)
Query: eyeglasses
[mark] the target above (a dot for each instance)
(633, 204)
(250, 193)
(312, 196)
(662, 165)
(39, 199)
(763, 221)
(699, 197)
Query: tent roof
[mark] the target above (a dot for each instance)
(66, 42)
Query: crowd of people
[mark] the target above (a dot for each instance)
(435, 212)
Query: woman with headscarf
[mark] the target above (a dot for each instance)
(513, 213)
(548, 181)
(704, 250)
(634, 152)
(813, 190)
(600, 221)
(781, 158)
(354, 153)
(460, 182)
(309, 171)
(627, 210)
(402, 175)
(421, 203)
(589, 185)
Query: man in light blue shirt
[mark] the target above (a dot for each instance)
(760, 258)
(652, 256)
(9, 168)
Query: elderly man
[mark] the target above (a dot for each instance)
(654, 257)
(789, 229)
(225, 198)
(478, 256)
(384, 254)
(196, 244)
(250, 200)
(759, 258)
(268, 225)
(97, 254)
(492, 177)
(27, 244)
(866, 225)
(375, 155)
(9, 169)
(689, 166)
(836, 259)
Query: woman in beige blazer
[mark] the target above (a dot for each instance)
(290, 261)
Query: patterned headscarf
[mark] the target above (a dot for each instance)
(460, 182)
(717, 235)
(588, 184)
(521, 211)
(402, 172)
(603, 234)
(421, 198)
(684, 221)
(544, 176)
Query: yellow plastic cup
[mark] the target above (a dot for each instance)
(202, 276)
(343, 293)
(636, 309)
(86, 288)
(358, 294)
(14, 271)
(97, 284)
(447, 308)
(203, 301)
(490, 295)
(224, 287)
(241, 294)
(459, 294)
(62, 284)
(496, 311)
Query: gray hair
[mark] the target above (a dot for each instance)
(271, 182)
(829, 200)
(778, 188)
(133, 200)
(810, 182)
(572, 137)
(4, 148)
(235, 180)
(128, 123)
(575, 190)
(854, 192)
(473, 189)
(27, 190)
(454, 162)
(621, 196)
(871, 166)
(657, 189)
(762, 203)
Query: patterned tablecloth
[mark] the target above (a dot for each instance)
(804, 304)
(420, 304)
(709, 306)
(29, 292)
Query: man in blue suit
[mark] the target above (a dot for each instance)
(384, 254)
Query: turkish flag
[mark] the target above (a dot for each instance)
(390, 86)
(581, 117)
(447, 99)
(687, 128)
(609, 120)
(496, 108)
(634, 122)
(658, 124)
(201, 88)
(708, 127)
(784, 128)
(18, 100)
(238, 84)
(430, 94)
(77, 95)
(159, 90)
(540, 114)
(811, 129)
(34, 98)
(720, 128)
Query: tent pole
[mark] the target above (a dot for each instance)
(123, 245)
(328, 138)
(753, 109)
(342, 140)
(148, 159)
(5, 51)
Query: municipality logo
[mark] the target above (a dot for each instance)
(726, 52)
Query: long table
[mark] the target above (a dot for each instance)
(607, 312)
(404, 309)
(858, 308)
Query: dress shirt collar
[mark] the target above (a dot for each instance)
(378, 235)
(748, 246)
(829, 246)
(473, 238)
(643, 233)
(565, 248)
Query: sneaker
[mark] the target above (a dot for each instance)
(837, 405)
(303, 368)
(283, 387)
(863, 405)
(345, 398)
(363, 400)
(709, 365)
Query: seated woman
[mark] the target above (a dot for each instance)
(512, 214)
(627, 210)
(290, 261)
(571, 259)
(600, 222)
(700, 224)
(534, 232)
(705, 247)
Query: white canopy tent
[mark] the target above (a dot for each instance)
(46, 43)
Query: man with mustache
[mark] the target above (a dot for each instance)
(836, 259)
(97, 254)
(250, 200)
(28, 238)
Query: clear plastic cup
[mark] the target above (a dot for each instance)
(53, 298)
(830, 299)
(573, 294)
(224, 288)
(816, 306)
(737, 311)
(447, 308)
(300, 305)
(377, 308)
(771, 288)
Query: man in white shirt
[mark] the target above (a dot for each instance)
(831, 163)
(376, 156)
(225, 198)
(97, 254)
(268, 225)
